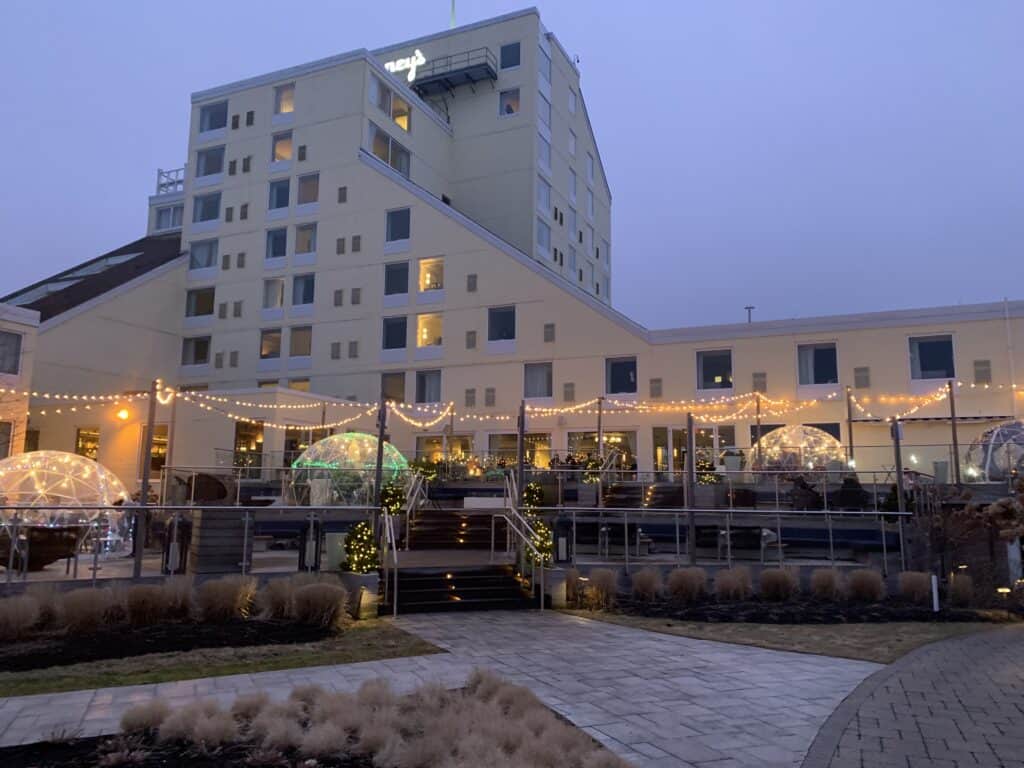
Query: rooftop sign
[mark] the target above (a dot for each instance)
(409, 63)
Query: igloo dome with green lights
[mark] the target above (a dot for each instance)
(340, 469)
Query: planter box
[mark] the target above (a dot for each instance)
(363, 593)
(709, 496)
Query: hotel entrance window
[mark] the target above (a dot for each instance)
(714, 369)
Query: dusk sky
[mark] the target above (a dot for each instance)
(805, 156)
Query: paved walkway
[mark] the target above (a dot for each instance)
(951, 704)
(658, 700)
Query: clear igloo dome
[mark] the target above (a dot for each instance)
(799, 447)
(340, 469)
(997, 452)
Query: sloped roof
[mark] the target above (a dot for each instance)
(68, 289)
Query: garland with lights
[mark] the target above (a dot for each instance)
(361, 550)
(392, 498)
(543, 539)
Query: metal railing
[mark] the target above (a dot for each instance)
(170, 181)
(524, 534)
(416, 494)
(456, 62)
(390, 545)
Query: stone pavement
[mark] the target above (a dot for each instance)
(657, 700)
(951, 704)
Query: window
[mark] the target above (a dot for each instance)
(392, 387)
(428, 386)
(6, 433)
(284, 99)
(931, 357)
(277, 243)
(250, 118)
(470, 339)
(428, 330)
(490, 397)
(300, 341)
(390, 103)
(302, 385)
(169, 217)
(590, 204)
(202, 254)
(714, 369)
(510, 55)
(339, 297)
(401, 112)
(862, 377)
(206, 207)
(508, 102)
(544, 65)
(501, 323)
(544, 110)
(236, 309)
(270, 343)
(537, 380)
(572, 259)
(10, 353)
(309, 188)
(543, 237)
(817, 364)
(303, 289)
(606, 250)
(353, 349)
(431, 274)
(335, 350)
(549, 333)
(396, 278)
(213, 116)
(620, 375)
(590, 168)
(281, 147)
(982, 371)
(199, 302)
(305, 238)
(339, 246)
(394, 333)
(279, 192)
(471, 281)
(543, 152)
(759, 381)
(543, 196)
(357, 295)
(209, 161)
(267, 384)
(470, 399)
(572, 102)
(195, 351)
(398, 224)
(572, 144)
(572, 193)
(87, 442)
(389, 151)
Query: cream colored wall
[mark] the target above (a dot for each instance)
(13, 403)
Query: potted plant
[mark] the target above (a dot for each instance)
(359, 571)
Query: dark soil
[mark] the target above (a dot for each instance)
(798, 611)
(60, 649)
(144, 753)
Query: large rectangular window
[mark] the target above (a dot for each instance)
(284, 99)
(537, 380)
(508, 102)
(429, 330)
(544, 110)
(281, 147)
(389, 151)
(309, 188)
(202, 254)
(395, 333)
(620, 375)
(543, 238)
(213, 116)
(543, 152)
(169, 217)
(428, 386)
(510, 55)
(277, 243)
(273, 293)
(817, 364)
(10, 353)
(501, 323)
(206, 207)
(714, 369)
(270, 343)
(303, 289)
(390, 103)
(279, 193)
(543, 196)
(431, 277)
(544, 65)
(300, 341)
(195, 351)
(396, 278)
(305, 238)
(209, 161)
(931, 357)
(392, 386)
(199, 302)
(398, 225)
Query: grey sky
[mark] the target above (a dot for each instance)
(805, 156)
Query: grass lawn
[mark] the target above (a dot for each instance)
(360, 641)
(882, 643)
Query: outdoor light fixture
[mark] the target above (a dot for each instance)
(123, 414)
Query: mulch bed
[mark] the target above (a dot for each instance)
(60, 649)
(145, 753)
(800, 611)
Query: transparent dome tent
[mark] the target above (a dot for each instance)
(340, 469)
(997, 452)
(799, 447)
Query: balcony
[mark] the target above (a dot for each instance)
(445, 74)
(170, 182)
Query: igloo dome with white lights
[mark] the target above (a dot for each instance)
(340, 468)
(997, 452)
(799, 447)
(58, 488)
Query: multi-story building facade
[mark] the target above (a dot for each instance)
(430, 223)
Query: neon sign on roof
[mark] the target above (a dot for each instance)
(409, 63)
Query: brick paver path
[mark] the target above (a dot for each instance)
(951, 704)
(658, 700)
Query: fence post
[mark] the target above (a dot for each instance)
(625, 539)
(13, 533)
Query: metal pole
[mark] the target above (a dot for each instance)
(378, 475)
(600, 451)
(679, 554)
(778, 534)
(691, 482)
(903, 551)
(574, 537)
(142, 513)
(896, 429)
(831, 545)
(757, 429)
(849, 426)
(625, 538)
(169, 457)
(520, 453)
(13, 531)
(956, 441)
(728, 539)
(885, 550)
(95, 552)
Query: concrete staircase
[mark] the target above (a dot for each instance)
(427, 590)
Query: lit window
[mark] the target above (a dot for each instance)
(931, 357)
(303, 288)
(714, 369)
(213, 116)
(206, 207)
(195, 351)
(202, 254)
(401, 112)
(389, 151)
(277, 243)
(210, 161)
(543, 196)
(199, 302)
(817, 364)
(302, 385)
(281, 147)
(543, 238)
(169, 217)
(390, 103)
(10, 352)
(396, 278)
(510, 55)
(305, 238)
(428, 386)
(273, 293)
(394, 336)
(537, 380)
(300, 341)
(431, 276)
(544, 110)
(508, 102)
(309, 188)
(279, 192)
(428, 330)
(270, 344)
(398, 225)
(284, 99)
(501, 323)
(620, 375)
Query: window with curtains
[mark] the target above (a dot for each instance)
(931, 357)
(817, 364)
(303, 288)
(202, 254)
(273, 293)
(392, 386)
(428, 386)
(537, 380)
(300, 341)
(10, 352)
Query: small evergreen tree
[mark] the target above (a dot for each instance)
(361, 550)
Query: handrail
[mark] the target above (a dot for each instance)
(416, 495)
(511, 506)
(390, 543)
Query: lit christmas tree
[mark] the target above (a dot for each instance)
(360, 550)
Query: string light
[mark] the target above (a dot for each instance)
(273, 424)
(396, 408)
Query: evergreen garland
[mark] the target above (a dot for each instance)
(533, 497)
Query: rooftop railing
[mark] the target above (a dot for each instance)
(170, 181)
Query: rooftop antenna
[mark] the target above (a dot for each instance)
(451, 23)
(750, 310)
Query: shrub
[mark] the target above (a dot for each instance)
(687, 584)
(647, 583)
(602, 588)
(733, 583)
(84, 610)
(180, 724)
(147, 604)
(320, 605)
(826, 584)
(226, 598)
(49, 599)
(17, 616)
(778, 584)
(865, 585)
(323, 739)
(916, 586)
(249, 705)
(177, 595)
(147, 716)
(572, 586)
(961, 591)
(274, 601)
